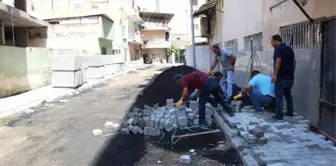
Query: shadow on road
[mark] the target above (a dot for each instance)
(128, 150)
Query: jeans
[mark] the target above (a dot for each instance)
(193, 97)
(283, 88)
(226, 83)
(211, 87)
(258, 99)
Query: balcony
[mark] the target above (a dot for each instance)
(157, 44)
(134, 15)
(135, 38)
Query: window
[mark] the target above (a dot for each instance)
(155, 56)
(302, 36)
(196, 26)
(103, 51)
(232, 45)
(195, 2)
(257, 41)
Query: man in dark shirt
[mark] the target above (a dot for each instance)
(207, 85)
(283, 76)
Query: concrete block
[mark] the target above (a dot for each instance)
(66, 62)
(169, 101)
(181, 112)
(271, 137)
(196, 121)
(130, 121)
(190, 116)
(152, 122)
(262, 141)
(256, 132)
(157, 122)
(94, 73)
(193, 105)
(147, 112)
(138, 129)
(168, 126)
(172, 111)
(182, 121)
(156, 132)
(124, 131)
(147, 120)
(147, 131)
(263, 126)
(111, 125)
(240, 127)
(133, 129)
(97, 132)
(66, 79)
(185, 159)
(208, 121)
(162, 123)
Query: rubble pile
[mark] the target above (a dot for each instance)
(155, 121)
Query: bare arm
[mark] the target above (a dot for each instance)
(277, 66)
(198, 92)
(213, 65)
(246, 88)
(185, 94)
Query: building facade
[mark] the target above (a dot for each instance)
(156, 36)
(246, 27)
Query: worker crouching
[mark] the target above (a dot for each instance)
(207, 86)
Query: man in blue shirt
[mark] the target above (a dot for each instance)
(260, 90)
(283, 76)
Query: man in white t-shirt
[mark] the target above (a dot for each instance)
(227, 60)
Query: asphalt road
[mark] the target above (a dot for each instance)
(60, 133)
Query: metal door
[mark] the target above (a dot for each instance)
(327, 83)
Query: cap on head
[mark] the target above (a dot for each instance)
(177, 77)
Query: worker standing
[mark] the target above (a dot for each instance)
(260, 90)
(283, 76)
(207, 85)
(227, 61)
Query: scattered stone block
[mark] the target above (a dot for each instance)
(208, 121)
(147, 131)
(263, 126)
(190, 116)
(185, 159)
(240, 127)
(169, 101)
(157, 122)
(193, 105)
(152, 122)
(168, 126)
(133, 129)
(162, 123)
(262, 141)
(196, 121)
(138, 129)
(256, 132)
(271, 137)
(124, 131)
(111, 125)
(130, 121)
(182, 121)
(97, 132)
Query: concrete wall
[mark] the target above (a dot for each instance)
(23, 69)
(288, 13)
(158, 51)
(152, 35)
(241, 18)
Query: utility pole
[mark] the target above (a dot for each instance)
(192, 32)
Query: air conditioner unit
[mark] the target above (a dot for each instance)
(204, 27)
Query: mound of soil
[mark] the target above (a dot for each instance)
(163, 87)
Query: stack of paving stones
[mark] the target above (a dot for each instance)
(264, 141)
(155, 121)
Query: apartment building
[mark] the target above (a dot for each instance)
(124, 14)
(246, 28)
(156, 35)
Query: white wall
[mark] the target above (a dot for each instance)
(240, 19)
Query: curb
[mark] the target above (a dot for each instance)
(71, 92)
(234, 140)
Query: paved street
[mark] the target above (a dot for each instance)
(60, 133)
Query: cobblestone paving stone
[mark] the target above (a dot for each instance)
(289, 142)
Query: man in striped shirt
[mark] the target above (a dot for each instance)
(207, 85)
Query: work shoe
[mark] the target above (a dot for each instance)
(277, 117)
(232, 114)
(289, 114)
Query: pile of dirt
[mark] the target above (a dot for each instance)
(163, 87)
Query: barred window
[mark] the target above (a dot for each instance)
(232, 45)
(257, 41)
(303, 35)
